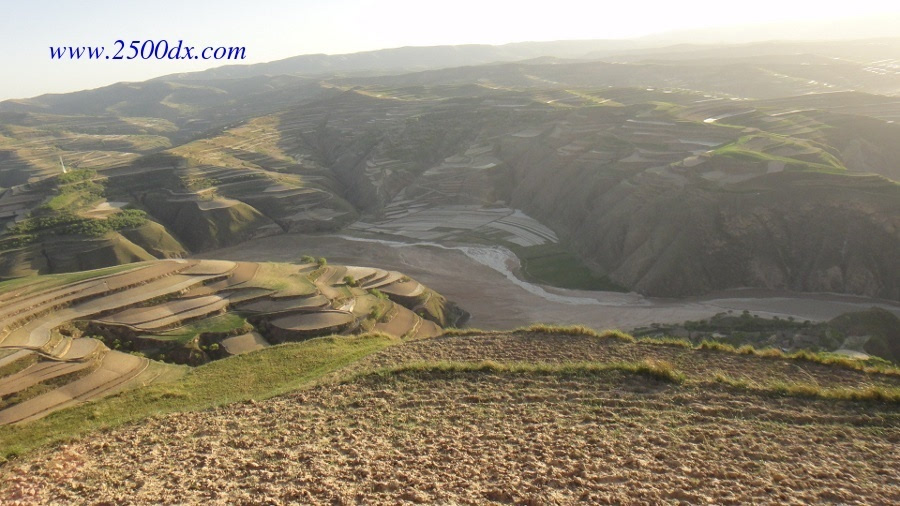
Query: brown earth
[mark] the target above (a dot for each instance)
(495, 437)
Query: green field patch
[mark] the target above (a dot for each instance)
(221, 324)
(759, 148)
(551, 264)
(283, 277)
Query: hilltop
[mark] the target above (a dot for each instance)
(538, 415)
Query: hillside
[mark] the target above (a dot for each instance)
(675, 176)
(670, 172)
(69, 339)
(537, 415)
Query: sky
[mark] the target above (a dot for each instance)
(275, 29)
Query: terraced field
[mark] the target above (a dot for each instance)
(581, 170)
(64, 343)
(535, 417)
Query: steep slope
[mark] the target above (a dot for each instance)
(880, 330)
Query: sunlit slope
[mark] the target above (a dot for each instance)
(603, 417)
(71, 338)
(672, 176)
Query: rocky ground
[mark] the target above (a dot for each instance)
(436, 436)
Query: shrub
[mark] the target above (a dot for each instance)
(129, 218)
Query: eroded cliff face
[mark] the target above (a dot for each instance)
(668, 192)
(670, 234)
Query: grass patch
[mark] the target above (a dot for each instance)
(872, 367)
(574, 330)
(870, 393)
(667, 341)
(453, 331)
(221, 324)
(283, 277)
(727, 379)
(655, 369)
(740, 150)
(867, 366)
(43, 387)
(550, 264)
(18, 365)
(717, 346)
(824, 358)
(256, 375)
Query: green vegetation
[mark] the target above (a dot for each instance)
(574, 330)
(67, 223)
(869, 366)
(257, 375)
(222, 324)
(881, 326)
(378, 294)
(550, 264)
(43, 387)
(18, 365)
(873, 330)
(283, 277)
(75, 190)
(817, 159)
(667, 341)
(654, 369)
(870, 393)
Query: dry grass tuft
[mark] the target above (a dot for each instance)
(574, 330)
(667, 341)
(717, 346)
(655, 369)
(871, 393)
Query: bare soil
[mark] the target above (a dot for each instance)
(697, 365)
(488, 437)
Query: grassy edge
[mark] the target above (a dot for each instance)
(800, 355)
(262, 374)
(287, 367)
(658, 370)
(654, 369)
(871, 393)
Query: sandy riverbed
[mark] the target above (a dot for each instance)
(481, 281)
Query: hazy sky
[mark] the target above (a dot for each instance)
(277, 29)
